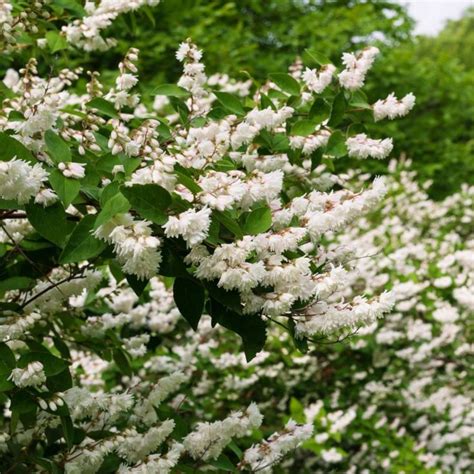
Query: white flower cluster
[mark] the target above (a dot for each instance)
(20, 181)
(311, 142)
(13, 24)
(14, 327)
(156, 463)
(14, 230)
(192, 226)
(361, 146)
(209, 439)
(72, 170)
(391, 107)
(48, 295)
(31, 376)
(253, 215)
(263, 456)
(326, 318)
(317, 80)
(86, 32)
(136, 248)
(357, 66)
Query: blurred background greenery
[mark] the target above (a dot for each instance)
(264, 36)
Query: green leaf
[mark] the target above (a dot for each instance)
(59, 382)
(230, 102)
(23, 402)
(286, 83)
(67, 189)
(266, 102)
(171, 90)
(181, 108)
(187, 181)
(122, 362)
(337, 110)
(189, 298)
(316, 158)
(7, 359)
(50, 222)
(172, 264)
(71, 5)
(319, 111)
(297, 410)
(359, 100)
(303, 128)
(250, 327)
(223, 463)
(336, 145)
(82, 245)
(148, 13)
(138, 285)
(258, 221)
(68, 430)
(7, 364)
(10, 148)
(229, 223)
(228, 298)
(317, 57)
(56, 41)
(16, 283)
(110, 190)
(117, 204)
(62, 347)
(103, 106)
(110, 464)
(149, 200)
(233, 446)
(58, 149)
(52, 365)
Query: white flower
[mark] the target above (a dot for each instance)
(31, 376)
(192, 225)
(134, 244)
(188, 50)
(118, 169)
(317, 81)
(136, 446)
(209, 439)
(310, 143)
(357, 66)
(86, 33)
(73, 170)
(361, 146)
(221, 190)
(392, 108)
(262, 457)
(331, 455)
(20, 181)
(126, 81)
(46, 197)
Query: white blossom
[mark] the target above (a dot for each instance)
(20, 181)
(31, 376)
(192, 225)
(391, 107)
(318, 80)
(263, 456)
(361, 146)
(356, 68)
(136, 248)
(72, 170)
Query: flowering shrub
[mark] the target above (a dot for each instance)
(141, 243)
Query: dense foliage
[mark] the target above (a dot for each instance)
(254, 38)
(189, 283)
